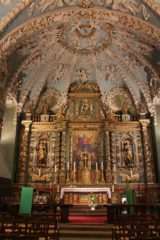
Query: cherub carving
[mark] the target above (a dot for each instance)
(59, 70)
(110, 74)
(123, 5)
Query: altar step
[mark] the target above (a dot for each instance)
(83, 210)
(94, 231)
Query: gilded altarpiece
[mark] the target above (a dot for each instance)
(85, 144)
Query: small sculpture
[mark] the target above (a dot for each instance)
(59, 70)
(125, 108)
(83, 75)
(42, 152)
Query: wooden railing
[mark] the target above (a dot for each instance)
(42, 224)
(134, 222)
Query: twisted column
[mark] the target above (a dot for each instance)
(63, 156)
(108, 156)
(147, 152)
(22, 164)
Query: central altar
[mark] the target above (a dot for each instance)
(84, 195)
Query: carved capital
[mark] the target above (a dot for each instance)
(26, 124)
(144, 123)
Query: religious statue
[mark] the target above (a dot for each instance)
(42, 152)
(85, 107)
(83, 75)
(45, 107)
(110, 115)
(128, 153)
(125, 108)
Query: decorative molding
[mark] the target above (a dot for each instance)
(13, 14)
(39, 23)
(153, 5)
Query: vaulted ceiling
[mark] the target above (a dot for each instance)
(48, 44)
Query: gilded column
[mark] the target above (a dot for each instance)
(57, 156)
(108, 156)
(23, 156)
(63, 156)
(2, 101)
(147, 152)
(112, 152)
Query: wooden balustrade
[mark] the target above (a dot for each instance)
(135, 222)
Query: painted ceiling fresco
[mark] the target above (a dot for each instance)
(47, 45)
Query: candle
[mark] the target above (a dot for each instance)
(112, 188)
(50, 185)
(68, 166)
(102, 165)
(55, 168)
(39, 172)
(96, 166)
(74, 166)
(131, 172)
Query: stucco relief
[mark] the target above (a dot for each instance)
(5, 2)
(116, 99)
(129, 6)
(153, 4)
(85, 36)
(73, 14)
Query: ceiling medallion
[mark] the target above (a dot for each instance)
(85, 36)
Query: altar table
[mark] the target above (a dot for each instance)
(74, 195)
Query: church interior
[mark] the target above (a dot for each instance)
(80, 109)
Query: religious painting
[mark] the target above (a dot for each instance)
(85, 147)
(84, 199)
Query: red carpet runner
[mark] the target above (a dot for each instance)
(87, 219)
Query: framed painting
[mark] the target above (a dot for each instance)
(85, 145)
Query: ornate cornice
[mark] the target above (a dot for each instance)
(152, 4)
(12, 15)
(139, 26)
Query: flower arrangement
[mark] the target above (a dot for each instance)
(93, 200)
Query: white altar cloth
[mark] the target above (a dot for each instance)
(87, 189)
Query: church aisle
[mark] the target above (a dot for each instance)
(85, 231)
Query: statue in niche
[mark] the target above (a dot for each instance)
(125, 108)
(128, 153)
(110, 115)
(45, 107)
(83, 75)
(41, 152)
(85, 107)
(154, 84)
